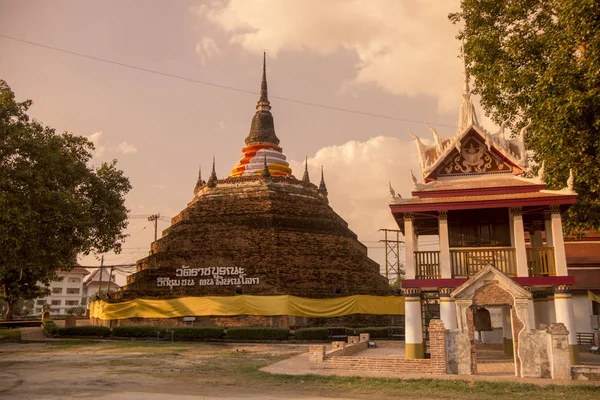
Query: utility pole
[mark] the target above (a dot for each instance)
(392, 253)
(101, 268)
(109, 280)
(154, 218)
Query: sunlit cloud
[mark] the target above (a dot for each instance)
(403, 47)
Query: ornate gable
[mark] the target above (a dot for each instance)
(472, 156)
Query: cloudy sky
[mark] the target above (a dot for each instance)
(394, 63)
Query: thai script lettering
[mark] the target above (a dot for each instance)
(165, 281)
(209, 276)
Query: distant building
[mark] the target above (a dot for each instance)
(66, 292)
(583, 263)
(100, 279)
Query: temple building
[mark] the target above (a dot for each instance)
(473, 197)
(258, 232)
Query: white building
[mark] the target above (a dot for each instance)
(100, 279)
(65, 293)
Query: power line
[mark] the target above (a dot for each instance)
(219, 86)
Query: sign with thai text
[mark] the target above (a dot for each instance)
(208, 276)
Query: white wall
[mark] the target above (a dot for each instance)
(582, 308)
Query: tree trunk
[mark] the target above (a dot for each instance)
(11, 310)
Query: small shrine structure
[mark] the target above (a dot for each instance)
(473, 195)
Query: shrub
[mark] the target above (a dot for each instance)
(311, 334)
(258, 333)
(138, 331)
(50, 327)
(200, 333)
(375, 332)
(84, 331)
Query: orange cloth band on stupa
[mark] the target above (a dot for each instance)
(262, 145)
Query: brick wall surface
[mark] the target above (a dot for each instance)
(283, 232)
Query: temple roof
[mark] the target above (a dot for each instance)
(431, 157)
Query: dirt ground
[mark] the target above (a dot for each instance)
(148, 371)
(132, 370)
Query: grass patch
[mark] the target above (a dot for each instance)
(10, 335)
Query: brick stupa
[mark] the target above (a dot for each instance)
(260, 231)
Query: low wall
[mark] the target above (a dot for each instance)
(281, 321)
(585, 373)
(343, 359)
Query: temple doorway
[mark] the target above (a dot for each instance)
(492, 340)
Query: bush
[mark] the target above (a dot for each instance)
(84, 331)
(258, 333)
(375, 332)
(138, 331)
(311, 334)
(50, 327)
(200, 333)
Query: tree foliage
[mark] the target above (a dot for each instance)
(53, 204)
(537, 62)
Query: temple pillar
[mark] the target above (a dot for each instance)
(563, 303)
(409, 246)
(530, 308)
(445, 263)
(414, 347)
(540, 305)
(519, 241)
(507, 335)
(559, 244)
(548, 228)
(447, 308)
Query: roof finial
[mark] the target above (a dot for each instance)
(212, 180)
(322, 186)
(263, 102)
(305, 177)
(265, 172)
(414, 179)
(199, 182)
(466, 116)
(466, 89)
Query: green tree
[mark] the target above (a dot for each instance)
(53, 205)
(537, 62)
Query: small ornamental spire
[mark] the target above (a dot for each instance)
(263, 103)
(322, 186)
(200, 181)
(265, 172)
(212, 180)
(466, 116)
(305, 177)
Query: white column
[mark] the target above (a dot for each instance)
(445, 263)
(563, 304)
(511, 229)
(530, 309)
(447, 308)
(551, 310)
(548, 228)
(409, 246)
(540, 305)
(507, 333)
(519, 241)
(559, 243)
(413, 344)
